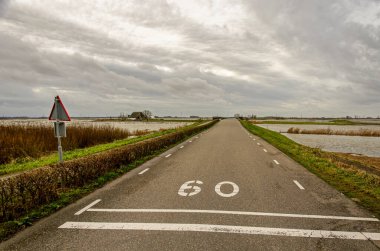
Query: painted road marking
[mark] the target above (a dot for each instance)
(143, 171)
(190, 141)
(223, 229)
(275, 161)
(258, 144)
(307, 216)
(167, 156)
(299, 185)
(87, 207)
(187, 186)
(181, 147)
(265, 150)
(254, 139)
(233, 193)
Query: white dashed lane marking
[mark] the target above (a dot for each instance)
(143, 171)
(299, 185)
(265, 150)
(167, 156)
(275, 161)
(181, 147)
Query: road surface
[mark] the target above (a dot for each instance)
(223, 189)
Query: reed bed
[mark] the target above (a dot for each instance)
(328, 131)
(20, 142)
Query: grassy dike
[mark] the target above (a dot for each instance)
(362, 187)
(67, 196)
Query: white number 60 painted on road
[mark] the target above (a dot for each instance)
(196, 189)
(186, 185)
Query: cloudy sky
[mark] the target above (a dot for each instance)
(103, 57)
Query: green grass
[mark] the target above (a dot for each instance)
(25, 164)
(354, 183)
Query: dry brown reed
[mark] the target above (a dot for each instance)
(34, 141)
(328, 131)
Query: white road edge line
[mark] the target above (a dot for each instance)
(167, 156)
(224, 229)
(275, 161)
(310, 216)
(265, 150)
(87, 207)
(143, 171)
(299, 185)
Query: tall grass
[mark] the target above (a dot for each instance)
(328, 131)
(17, 142)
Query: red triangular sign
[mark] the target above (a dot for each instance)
(59, 112)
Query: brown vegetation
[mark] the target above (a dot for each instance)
(35, 141)
(365, 163)
(328, 131)
(20, 194)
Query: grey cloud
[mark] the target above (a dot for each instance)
(287, 58)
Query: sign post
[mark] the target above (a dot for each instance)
(59, 114)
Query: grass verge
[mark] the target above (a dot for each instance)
(69, 195)
(355, 183)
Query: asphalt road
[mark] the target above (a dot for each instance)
(241, 194)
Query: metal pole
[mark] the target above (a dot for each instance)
(60, 153)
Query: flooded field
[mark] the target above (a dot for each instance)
(127, 125)
(284, 127)
(369, 146)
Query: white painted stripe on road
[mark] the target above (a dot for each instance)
(258, 144)
(87, 207)
(265, 150)
(190, 141)
(223, 229)
(275, 161)
(310, 216)
(182, 147)
(167, 156)
(299, 185)
(143, 171)
(254, 139)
